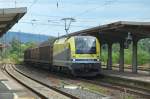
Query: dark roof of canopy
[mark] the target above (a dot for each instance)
(117, 31)
(10, 16)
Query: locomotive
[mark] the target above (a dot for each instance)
(80, 55)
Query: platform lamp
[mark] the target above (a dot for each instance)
(128, 40)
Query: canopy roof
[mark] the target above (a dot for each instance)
(10, 16)
(117, 31)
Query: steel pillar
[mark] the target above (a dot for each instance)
(121, 57)
(134, 56)
(109, 61)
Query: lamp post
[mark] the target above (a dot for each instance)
(128, 40)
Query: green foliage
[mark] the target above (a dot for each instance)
(143, 53)
(104, 56)
(143, 57)
(127, 56)
(115, 56)
(15, 52)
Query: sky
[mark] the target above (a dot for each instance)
(45, 16)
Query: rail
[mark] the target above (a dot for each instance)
(43, 84)
(121, 87)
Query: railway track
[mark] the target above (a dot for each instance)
(139, 68)
(131, 89)
(121, 87)
(40, 89)
(125, 88)
(80, 93)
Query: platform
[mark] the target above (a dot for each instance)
(124, 33)
(143, 76)
(10, 89)
(9, 17)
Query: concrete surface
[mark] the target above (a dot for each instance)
(140, 76)
(10, 89)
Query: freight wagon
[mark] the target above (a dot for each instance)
(79, 55)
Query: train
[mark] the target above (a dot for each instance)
(76, 55)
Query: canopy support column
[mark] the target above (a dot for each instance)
(121, 57)
(109, 62)
(134, 56)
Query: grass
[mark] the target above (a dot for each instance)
(94, 88)
(102, 90)
(88, 86)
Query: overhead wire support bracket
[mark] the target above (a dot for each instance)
(67, 26)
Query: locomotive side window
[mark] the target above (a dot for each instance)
(85, 45)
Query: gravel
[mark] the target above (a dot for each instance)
(46, 77)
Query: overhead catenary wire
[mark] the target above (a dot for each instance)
(106, 3)
(33, 3)
(57, 4)
(42, 23)
(55, 20)
(82, 20)
(15, 1)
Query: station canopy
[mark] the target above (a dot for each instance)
(117, 31)
(10, 16)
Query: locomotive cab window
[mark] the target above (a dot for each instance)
(85, 45)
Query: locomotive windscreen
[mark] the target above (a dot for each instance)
(85, 45)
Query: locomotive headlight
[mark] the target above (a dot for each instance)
(97, 59)
(73, 59)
